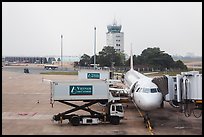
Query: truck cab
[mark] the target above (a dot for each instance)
(116, 113)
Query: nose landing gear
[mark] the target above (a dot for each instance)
(148, 124)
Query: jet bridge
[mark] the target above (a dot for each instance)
(183, 91)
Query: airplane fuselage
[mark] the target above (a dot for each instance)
(143, 91)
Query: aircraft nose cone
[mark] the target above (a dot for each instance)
(151, 101)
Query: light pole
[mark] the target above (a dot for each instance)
(94, 47)
(61, 48)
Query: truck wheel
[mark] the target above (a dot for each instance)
(75, 121)
(114, 120)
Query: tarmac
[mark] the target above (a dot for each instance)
(26, 110)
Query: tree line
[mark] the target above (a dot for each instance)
(150, 57)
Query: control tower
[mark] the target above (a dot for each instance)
(114, 37)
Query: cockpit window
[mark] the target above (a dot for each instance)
(137, 90)
(146, 90)
(150, 90)
(153, 90)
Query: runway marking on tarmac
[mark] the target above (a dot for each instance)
(15, 93)
(25, 115)
(148, 122)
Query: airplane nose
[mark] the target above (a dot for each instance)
(151, 101)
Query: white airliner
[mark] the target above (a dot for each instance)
(144, 92)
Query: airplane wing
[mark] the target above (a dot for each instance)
(116, 89)
(113, 80)
(117, 73)
(149, 73)
(119, 91)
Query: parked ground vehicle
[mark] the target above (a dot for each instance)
(90, 92)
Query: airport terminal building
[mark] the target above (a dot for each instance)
(38, 60)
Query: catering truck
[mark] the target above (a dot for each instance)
(88, 92)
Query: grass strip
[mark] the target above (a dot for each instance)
(59, 73)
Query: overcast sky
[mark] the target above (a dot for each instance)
(35, 28)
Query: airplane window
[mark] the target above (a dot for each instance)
(146, 90)
(154, 90)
